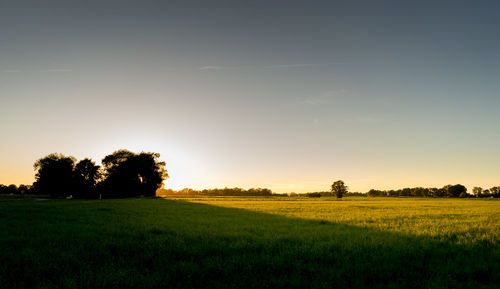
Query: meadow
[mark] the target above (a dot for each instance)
(246, 242)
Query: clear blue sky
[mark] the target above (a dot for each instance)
(289, 95)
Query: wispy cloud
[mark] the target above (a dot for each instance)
(59, 70)
(283, 66)
(52, 70)
(294, 65)
(213, 67)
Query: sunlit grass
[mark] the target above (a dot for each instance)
(464, 221)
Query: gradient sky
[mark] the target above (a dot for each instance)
(289, 95)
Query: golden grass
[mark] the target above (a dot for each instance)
(463, 221)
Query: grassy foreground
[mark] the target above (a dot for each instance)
(250, 242)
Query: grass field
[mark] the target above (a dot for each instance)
(250, 242)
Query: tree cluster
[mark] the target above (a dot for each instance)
(218, 192)
(15, 190)
(493, 192)
(448, 191)
(124, 174)
(339, 189)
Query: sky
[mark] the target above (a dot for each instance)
(288, 95)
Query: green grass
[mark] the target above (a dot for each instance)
(250, 242)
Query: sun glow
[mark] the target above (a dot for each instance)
(185, 166)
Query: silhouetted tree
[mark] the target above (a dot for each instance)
(23, 189)
(393, 193)
(454, 191)
(12, 189)
(151, 172)
(437, 193)
(128, 174)
(477, 191)
(54, 175)
(339, 188)
(86, 176)
(495, 192)
(373, 193)
(447, 191)
(406, 192)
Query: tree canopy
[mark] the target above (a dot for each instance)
(54, 175)
(129, 174)
(125, 174)
(86, 177)
(339, 188)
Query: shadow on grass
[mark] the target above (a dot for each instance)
(155, 243)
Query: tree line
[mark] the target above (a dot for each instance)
(218, 192)
(123, 174)
(15, 190)
(448, 191)
(128, 174)
(339, 189)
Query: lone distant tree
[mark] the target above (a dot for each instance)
(339, 189)
(477, 191)
(54, 175)
(86, 176)
(128, 174)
